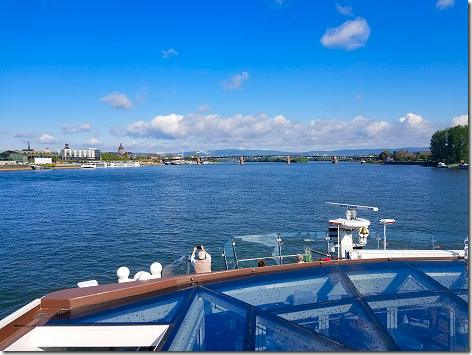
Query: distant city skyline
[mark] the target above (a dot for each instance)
(286, 75)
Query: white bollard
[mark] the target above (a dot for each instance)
(136, 276)
(123, 274)
(144, 275)
(156, 270)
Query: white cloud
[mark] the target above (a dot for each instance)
(211, 131)
(93, 141)
(444, 4)
(46, 138)
(461, 120)
(358, 97)
(411, 119)
(169, 53)
(413, 128)
(344, 10)
(359, 119)
(117, 100)
(376, 128)
(349, 36)
(203, 109)
(75, 128)
(23, 134)
(236, 81)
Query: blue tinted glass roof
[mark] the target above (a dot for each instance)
(379, 306)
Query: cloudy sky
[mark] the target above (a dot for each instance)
(166, 76)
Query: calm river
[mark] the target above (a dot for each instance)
(61, 227)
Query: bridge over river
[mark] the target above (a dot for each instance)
(251, 158)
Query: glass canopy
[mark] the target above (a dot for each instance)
(377, 306)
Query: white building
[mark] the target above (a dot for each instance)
(42, 160)
(80, 154)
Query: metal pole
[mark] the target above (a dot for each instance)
(339, 245)
(385, 236)
(234, 253)
(224, 257)
(280, 248)
(328, 240)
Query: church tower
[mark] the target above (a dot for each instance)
(121, 150)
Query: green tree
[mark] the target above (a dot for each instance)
(450, 145)
(112, 157)
(383, 155)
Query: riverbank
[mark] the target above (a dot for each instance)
(12, 167)
(28, 167)
(423, 163)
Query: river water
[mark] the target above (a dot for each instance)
(60, 227)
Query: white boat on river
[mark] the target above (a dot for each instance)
(102, 164)
(94, 165)
(442, 165)
(123, 164)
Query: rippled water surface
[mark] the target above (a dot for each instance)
(61, 227)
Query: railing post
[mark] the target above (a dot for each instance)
(280, 247)
(234, 253)
(224, 258)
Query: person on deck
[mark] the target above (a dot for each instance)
(203, 263)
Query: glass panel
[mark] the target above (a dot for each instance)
(450, 274)
(387, 278)
(463, 295)
(429, 323)
(272, 334)
(155, 310)
(265, 247)
(212, 323)
(346, 323)
(275, 291)
(177, 267)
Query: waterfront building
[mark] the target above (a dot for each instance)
(13, 157)
(121, 150)
(42, 160)
(80, 154)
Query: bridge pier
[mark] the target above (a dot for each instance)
(199, 162)
(241, 160)
(288, 159)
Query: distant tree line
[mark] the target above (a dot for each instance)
(450, 145)
(113, 157)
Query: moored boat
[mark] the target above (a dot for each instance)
(123, 164)
(442, 165)
(40, 167)
(94, 165)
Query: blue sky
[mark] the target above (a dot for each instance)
(166, 76)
